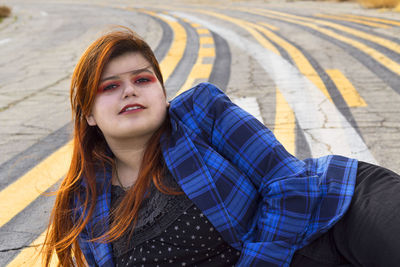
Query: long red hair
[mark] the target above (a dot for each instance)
(90, 155)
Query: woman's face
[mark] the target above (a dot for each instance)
(130, 102)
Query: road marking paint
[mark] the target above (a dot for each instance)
(269, 26)
(200, 70)
(34, 183)
(250, 105)
(285, 123)
(388, 21)
(263, 41)
(206, 39)
(376, 39)
(246, 25)
(202, 31)
(195, 25)
(299, 59)
(368, 23)
(349, 93)
(208, 52)
(325, 128)
(378, 56)
(178, 46)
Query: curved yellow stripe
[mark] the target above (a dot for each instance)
(346, 89)
(387, 21)
(245, 25)
(379, 57)
(177, 48)
(241, 23)
(285, 123)
(269, 26)
(368, 23)
(201, 70)
(202, 31)
(18, 195)
(376, 39)
(194, 25)
(299, 59)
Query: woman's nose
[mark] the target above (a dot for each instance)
(129, 90)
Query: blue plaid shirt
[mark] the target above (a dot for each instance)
(262, 200)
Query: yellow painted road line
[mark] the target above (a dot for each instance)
(59, 164)
(378, 56)
(346, 88)
(203, 31)
(175, 53)
(194, 25)
(299, 59)
(25, 190)
(18, 195)
(260, 39)
(387, 21)
(285, 123)
(245, 25)
(206, 39)
(370, 37)
(269, 26)
(359, 21)
(200, 70)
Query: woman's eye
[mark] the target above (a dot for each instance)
(145, 79)
(108, 87)
(142, 80)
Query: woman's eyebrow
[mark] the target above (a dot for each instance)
(134, 72)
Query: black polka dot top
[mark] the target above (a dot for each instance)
(171, 231)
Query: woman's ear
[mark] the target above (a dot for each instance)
(167, 104)
(91, 120)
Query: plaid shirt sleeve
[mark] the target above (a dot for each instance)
(300, 199)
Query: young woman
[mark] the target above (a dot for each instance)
(200, 182)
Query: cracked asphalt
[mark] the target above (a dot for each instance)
(42, 41)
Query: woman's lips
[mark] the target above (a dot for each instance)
(133, 108)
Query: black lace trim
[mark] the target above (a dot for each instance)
(157, 213)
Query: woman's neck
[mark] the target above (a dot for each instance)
(128, 159)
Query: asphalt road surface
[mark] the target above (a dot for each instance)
(324, 77)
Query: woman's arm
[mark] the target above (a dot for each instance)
(235, 134)
(299, 198)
